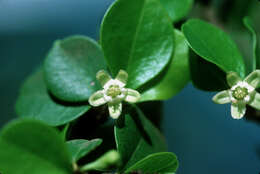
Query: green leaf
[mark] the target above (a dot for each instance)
(35, 102)
(71, 66)
(137, 36)
(214, 45)
(205, 75)
(136, 137)
(249, 25)
(175, 76)
(177, 9)
(29, 146)
(80, 148)
(163, 162)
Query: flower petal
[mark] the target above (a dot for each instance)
(103, 77)
(115, 109)
(238, 110)
(222, 97)
(256, 101)
(122, 76)
(97, 98)
(253, 78)
(233, 78)
(132, 96)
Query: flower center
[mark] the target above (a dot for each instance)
(240, 93)
(113, 91)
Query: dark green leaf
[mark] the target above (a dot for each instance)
(136, 137)
(175, 76)
(177, 9)
(214, 45)
(249, 25)
(205, 75)
(35, 102)
(163, 162)
(79, 148)
(71, 66)
(29, 146)
(137, 36)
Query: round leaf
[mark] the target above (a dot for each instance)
(35, 102)
(177, 9)
(136, 137)
(214, 45)
(175, 76)
(163, 162)
(71, 66)
(79, 148)
(137, 36)
(29, 146)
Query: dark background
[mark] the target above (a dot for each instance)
(202, 134)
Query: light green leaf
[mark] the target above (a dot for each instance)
(106, 162)
(71, 66)
(137, 36)
(249, 25)
(80, 148)
(29, 146)
(136, 137)
(163, 162)
(35, 102)
(214, 45)
(176, 75)
(177, 9)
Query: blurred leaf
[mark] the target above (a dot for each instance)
(29, 146)
(79, 148)
(214, 45)
(71, 66)
(108, 161)
(163, 162)
(205, 75)
(137, 36)
(35, 102)
(177, 9)
(249, 25)
(136, 137)
(176, 75)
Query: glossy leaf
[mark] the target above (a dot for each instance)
(176, 75)
(29, 146)
(35, 102)
(136, 137)
(205, 75)
(214, 45)
(71, 66)
(80, 148)
(177, 9)
(137, 36)
(249, 25)
(163, 162)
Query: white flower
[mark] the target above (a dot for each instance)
(242, 92)
(114, 93)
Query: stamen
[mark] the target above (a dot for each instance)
(240, 93)
(113, 91)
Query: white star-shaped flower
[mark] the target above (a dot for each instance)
(113, 93)
(242, 92)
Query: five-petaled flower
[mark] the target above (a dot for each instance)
(242, 92)
(114, 92)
